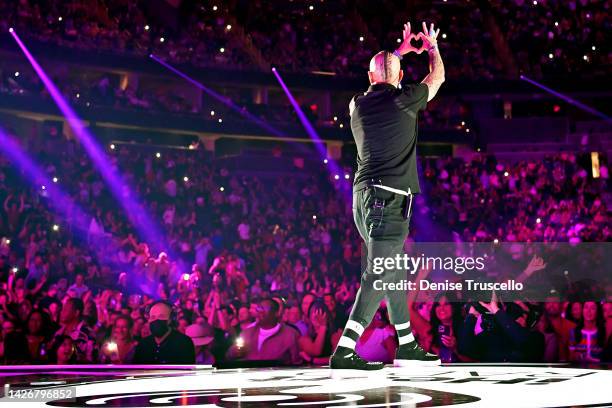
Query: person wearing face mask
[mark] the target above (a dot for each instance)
(165, 345)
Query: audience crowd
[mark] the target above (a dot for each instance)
(565, 37)
(337, 37)
(91, 90)
(255, 268)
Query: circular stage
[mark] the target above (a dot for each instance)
(450, 385)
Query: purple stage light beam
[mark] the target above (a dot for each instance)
(134, 210)
(307, 125)
(62, 202)
(567, 99)
(225, 100)
(73, 215)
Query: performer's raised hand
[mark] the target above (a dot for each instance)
(430, 38)
(406, 45)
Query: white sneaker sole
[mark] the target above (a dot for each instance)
(416, 363)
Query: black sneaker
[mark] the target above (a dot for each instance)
(407, 355)
(353, 362)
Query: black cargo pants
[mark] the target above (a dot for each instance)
(382, 218)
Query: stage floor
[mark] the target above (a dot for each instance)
(457, 385)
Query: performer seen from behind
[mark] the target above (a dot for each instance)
(384, 126)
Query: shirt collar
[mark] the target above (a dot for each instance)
(380, 86)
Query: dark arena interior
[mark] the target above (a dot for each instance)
(279, 203)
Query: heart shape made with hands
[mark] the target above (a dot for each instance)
(418, 48)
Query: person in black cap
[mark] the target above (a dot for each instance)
(165, 345)
(384, 126)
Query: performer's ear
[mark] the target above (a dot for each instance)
(401, 75)
(371, 77)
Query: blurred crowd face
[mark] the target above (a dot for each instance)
(425, 310)
(293, 315)
(576, 311)
(68, 314)
(159, 311)
(444, 311)
(243, 315)
(182, 325)
(121, 330)
(35, 323)
(552, 308)
(330, 302)
(589, 312)
(266, 315)
(54, 309)
(65, 351)
(607, 309)
(306, 302)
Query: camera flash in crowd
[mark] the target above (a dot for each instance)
(147, 27)
(55, 179)
(55, 227)
(221, 189)
(314, 217)
(185, 179)
(361, 39)
(336, 177)
(185, 276)
(239, 342)
(43, 187)
(215, 8)
(16, 73)
(222, 49)
(228, 27)
(325, 161)
(496, 241)
(15, 269)
(538, 220)
(220, 120)
(112, 146)
(212, 113)
(60, 18)
(111, 346)
(346, 176)
(506, 174)
(158, 155)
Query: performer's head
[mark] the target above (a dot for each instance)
(385, 68)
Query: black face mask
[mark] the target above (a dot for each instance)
(159, 327)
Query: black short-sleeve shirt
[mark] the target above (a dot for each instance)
(384, 126)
